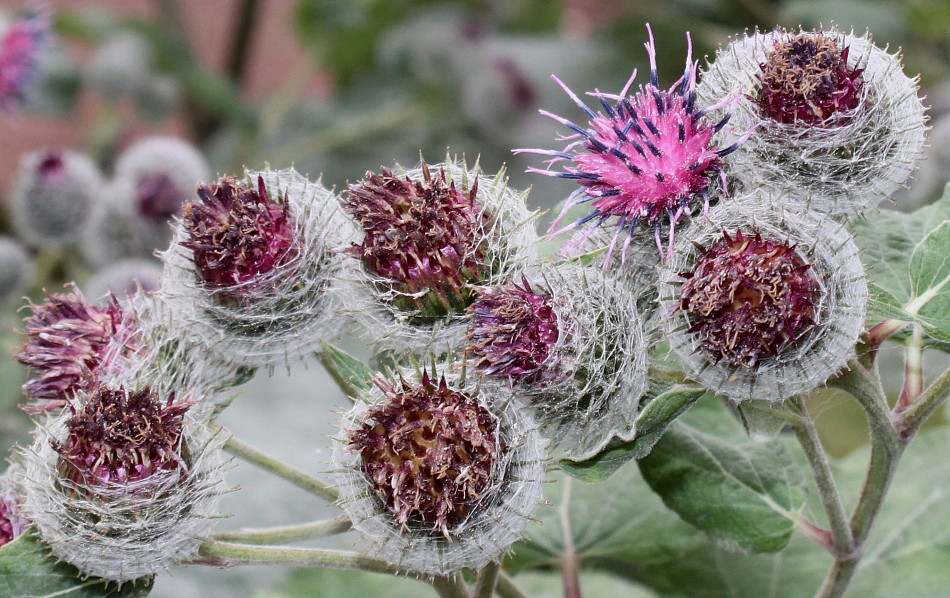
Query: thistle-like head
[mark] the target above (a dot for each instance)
(806, 78)
(513, 331)
(748, 297)
(12, 521)
(64, 341)
(422, 238)
(238, 236)
(646, 159)
(158, 198)
(430, 452)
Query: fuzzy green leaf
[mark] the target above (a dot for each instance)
(930, 280)
(620, 521)
(652, 422)
(907, 553)
(28, 571)
(740, 492)
(351, 375)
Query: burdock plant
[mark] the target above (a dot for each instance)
(730, 296)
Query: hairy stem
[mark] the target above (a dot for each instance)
(662, 373)
(913, 370)
(293, 475)
(225, 554)
(487, 579)
(914, 417)
(288, 533)
(569, 565)
(450, 586)
(507, 588)
(807, 436)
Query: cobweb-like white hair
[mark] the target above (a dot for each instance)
(823, 244)
(842, 166)
(490, 527)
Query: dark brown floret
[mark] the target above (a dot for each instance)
(122, 436)
(430, 452)
(425, 238)
(806, 78)
(748, 298)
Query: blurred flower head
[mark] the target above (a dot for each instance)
(647, 159)
(21, 42)
(16, 268)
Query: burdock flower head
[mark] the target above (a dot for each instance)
(123, 484)
(21, 43)
(252, 262)
(65, 339)
(55, 196)
(572, 341)
(646, 160)
(840, 126)
(438, 473)
(427, 238)
(762, 302)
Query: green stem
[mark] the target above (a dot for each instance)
(807, 436)
(865, 386)
(913, 370)
(507, 588)
(569, 565)
(450, 587)
(293, 475)
(487, 580)
(285, 534)
(914, 417)
(225, 554)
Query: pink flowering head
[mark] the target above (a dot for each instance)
(749, 297)
(20, 47)
(646, 159)
(238, 236)
(63, 345)
(430, 451)
(158, 198)
(806, 78)
(512, 331)
(120, 436)
(423, 239)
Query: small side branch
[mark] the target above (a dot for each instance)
(288, 533)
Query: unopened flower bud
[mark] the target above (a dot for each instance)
(252, 263)
(12, 520)
(427, 238)
(54, 197)
(16, 268)
(439, 474)
(762, 302)
(123, 484)
(839, 126)
(124, 279)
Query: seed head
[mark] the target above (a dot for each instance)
(438, 477)
(64, 342)
(513, 331)
(806, 78)
(647, 159)
(122, 436)
(749, 297)
(238, 236)
(21, 44)
(429, 450)
(424, 238)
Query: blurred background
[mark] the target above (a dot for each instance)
(134, 100)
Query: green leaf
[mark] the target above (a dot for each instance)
(741, 493)
(619, 521)
(888, 240)
(28, 571)
(907, 553)
(930, 280)
(351, 375)
(652, 422)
